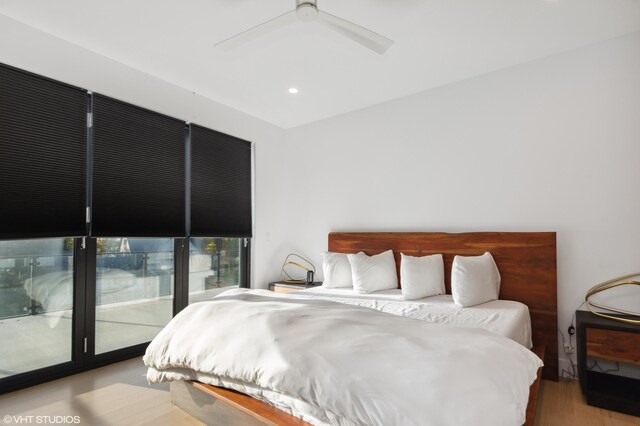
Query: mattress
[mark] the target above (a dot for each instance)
(504, 317)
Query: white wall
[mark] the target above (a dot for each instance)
(551, 145)
(27, 48)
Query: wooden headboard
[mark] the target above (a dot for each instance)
(526, 260)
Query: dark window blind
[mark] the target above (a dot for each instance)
(221, 180)
(43, 137)
(138, 172)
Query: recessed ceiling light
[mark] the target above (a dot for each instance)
(293, 90)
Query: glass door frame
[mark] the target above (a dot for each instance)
(93, 360)
(76, 365)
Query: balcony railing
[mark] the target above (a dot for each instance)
(38, 284)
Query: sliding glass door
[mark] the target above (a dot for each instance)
(70, 304)
(134, 290)
(36, 304)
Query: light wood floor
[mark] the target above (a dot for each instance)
(110, 396)
(561, 403)
(119, 395)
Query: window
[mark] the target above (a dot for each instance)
(214, 266)
(139, 172)
(36, 304)
(220, 184)
(129, 187)
(134, 290)
(43, 157)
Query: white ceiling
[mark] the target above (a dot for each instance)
(436, 42)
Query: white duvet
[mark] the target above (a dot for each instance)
(331, 363)
(504, 317)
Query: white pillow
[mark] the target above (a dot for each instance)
(421, 276)
(336, 270)
(474, 280)
(373, 273)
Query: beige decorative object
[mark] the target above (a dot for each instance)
(291, 263)
(608, 285)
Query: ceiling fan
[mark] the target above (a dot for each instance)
(307, 11)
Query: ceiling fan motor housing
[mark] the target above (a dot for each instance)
(306, 10)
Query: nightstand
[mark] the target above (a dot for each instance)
(614, 341)
(284, 287)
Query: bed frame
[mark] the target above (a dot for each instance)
(527, 265)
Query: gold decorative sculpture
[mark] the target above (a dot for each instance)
(288, 262)
(607, 285)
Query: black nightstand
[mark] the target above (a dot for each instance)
(284, 287)
(615, 341)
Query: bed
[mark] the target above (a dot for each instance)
(526, 262)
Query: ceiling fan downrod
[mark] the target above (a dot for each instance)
(306, 10)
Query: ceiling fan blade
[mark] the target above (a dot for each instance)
(361, 35)
(257, 31)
